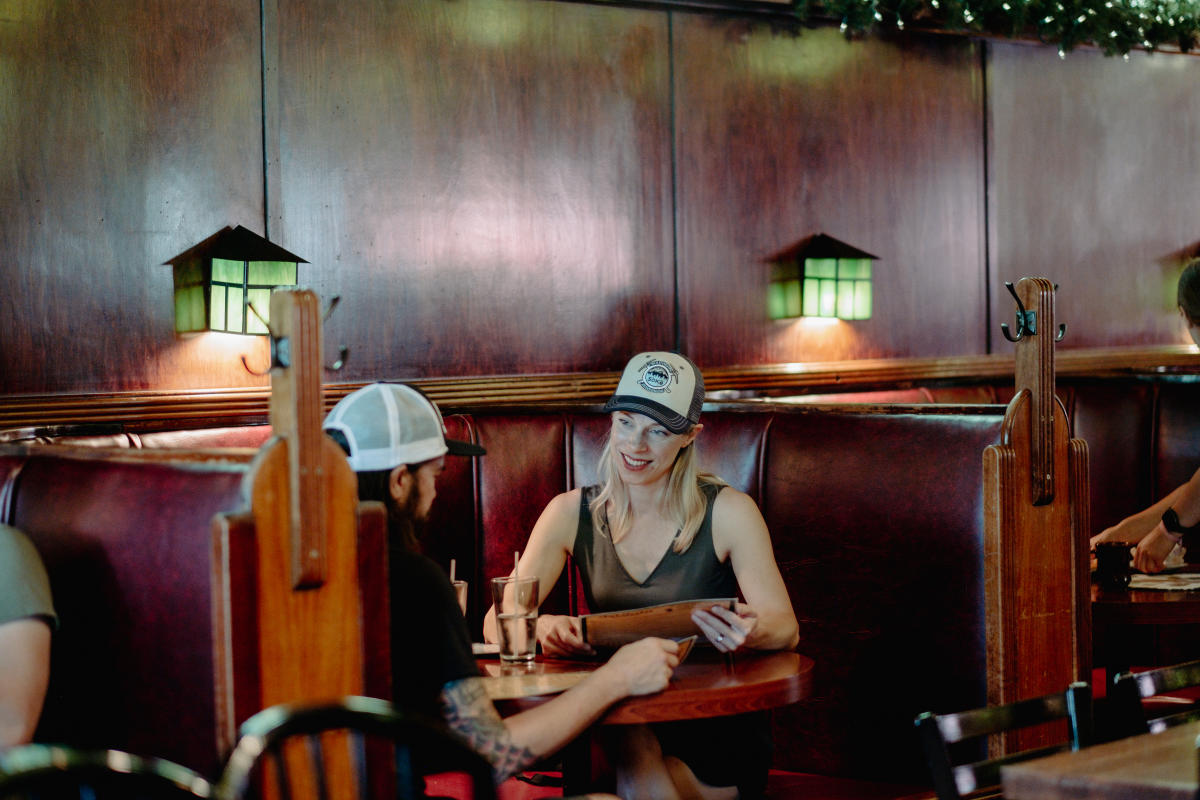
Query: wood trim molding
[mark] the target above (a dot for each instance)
(221, 407)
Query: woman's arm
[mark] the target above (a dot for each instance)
(24, 674)
(1137, 526)
(545, 554)
(766, 620)
(1157, 543)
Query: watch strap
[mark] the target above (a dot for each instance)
(1171, 522)
(1176, 530)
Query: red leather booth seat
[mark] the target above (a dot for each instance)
(876, 514)
(126, 545)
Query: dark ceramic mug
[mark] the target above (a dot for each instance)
(1112, 564)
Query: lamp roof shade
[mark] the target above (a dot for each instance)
(236, 244)
(819, 245)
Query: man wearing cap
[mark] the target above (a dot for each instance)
(656, 529)
(395, 440)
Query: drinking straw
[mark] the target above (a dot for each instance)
(452, 570)
(516, 562)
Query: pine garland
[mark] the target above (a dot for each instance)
(1114, 26)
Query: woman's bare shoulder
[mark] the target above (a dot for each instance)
(734, 501)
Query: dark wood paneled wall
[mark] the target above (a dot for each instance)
(131, 130)
(876, 143)
(505, 187)
(1093, 180)
(485, 183)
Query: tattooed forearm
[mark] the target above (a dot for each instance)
(469, 711)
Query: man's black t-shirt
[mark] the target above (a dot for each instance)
(431, 645)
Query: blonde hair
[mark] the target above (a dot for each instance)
(686, 502)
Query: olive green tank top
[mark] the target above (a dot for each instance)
(694, 574)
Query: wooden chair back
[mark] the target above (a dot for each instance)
(298, 751)
(1129, 690)
(941, 734)
(54, 771)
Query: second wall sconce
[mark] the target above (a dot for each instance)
(820, 276)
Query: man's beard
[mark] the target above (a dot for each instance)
(403, 522)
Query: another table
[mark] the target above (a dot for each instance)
(705, 685)
(1153, 766)
(1138, 627)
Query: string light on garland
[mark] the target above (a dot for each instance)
(1115, 26)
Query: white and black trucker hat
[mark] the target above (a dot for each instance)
(389, 424)
(666, 387)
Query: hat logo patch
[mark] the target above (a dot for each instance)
(657, 377)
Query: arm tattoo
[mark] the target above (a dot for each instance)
(469, 712)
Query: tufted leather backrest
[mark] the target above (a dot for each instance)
(877, 522)
(127, 546)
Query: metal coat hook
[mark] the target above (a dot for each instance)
(1062, 328)
(337, 298)
(281, 349)
(1026, 320)
(343, 351)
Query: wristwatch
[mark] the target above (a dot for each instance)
(1170, 521)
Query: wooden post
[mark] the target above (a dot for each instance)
(1036, 505)
(291, 622)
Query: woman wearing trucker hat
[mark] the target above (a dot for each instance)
(654, 530)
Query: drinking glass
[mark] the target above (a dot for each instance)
(516, 602)
(460, 590)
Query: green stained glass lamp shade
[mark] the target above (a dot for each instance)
(225, 283)
(820, 277)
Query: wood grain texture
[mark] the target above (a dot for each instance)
(140, 411)
(1087, 157)
(131, 133)
(1158, 766)
(509, 187)
(486, 184)
(703, 686)
(1034, 633)
(878, 143)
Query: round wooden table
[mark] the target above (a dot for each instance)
(707, 684)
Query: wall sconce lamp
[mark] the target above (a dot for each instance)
(218, 280)
(820, 276)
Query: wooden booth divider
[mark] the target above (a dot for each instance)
(1036, 505)
(300, 597)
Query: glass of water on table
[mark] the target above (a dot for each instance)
(516, 601)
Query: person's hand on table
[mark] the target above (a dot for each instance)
(646, 665)
(727, 630)
(1152, 551)
(561, 636)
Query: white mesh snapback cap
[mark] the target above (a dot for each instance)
(666, 387)
(389, 424)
